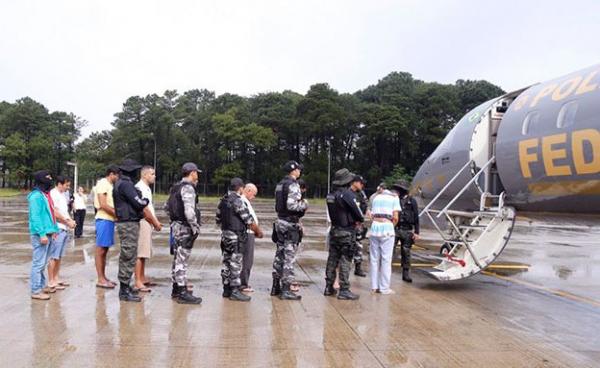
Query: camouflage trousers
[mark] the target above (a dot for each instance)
(405, 237)
(232, 248)
(128, 233)
(358, 253)
(341, 251)
(182, 250)
(288, 237)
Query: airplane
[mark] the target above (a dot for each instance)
(533, 150)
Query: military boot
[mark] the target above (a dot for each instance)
(276, 288)
(406, 275)
(237, 295)
(184, 296)
(329, 290)
(126, 295)
(346, 294)
(287, 294)
(174, 291)
(226, 291)
(358, 271)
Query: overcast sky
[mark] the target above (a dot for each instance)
(87, 57)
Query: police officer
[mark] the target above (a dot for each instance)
(290, 207)
(407, 229)
(357, 186)
(182, 208)
(129, 208)
(345, 215)
(235, 220)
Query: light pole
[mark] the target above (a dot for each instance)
(328, 167)
(75, 174)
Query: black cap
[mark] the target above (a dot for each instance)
(236, 183)
(359, 178)
(129, 165)
(188, 167)
(291, 166)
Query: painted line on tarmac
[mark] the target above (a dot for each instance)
(497, 267)
(559, 293)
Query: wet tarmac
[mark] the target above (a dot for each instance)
(544, 314)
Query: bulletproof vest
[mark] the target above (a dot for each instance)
(175, 203)
(229, 219)
(281, 196)
(363, 201)
(407, 216)
(339, 215)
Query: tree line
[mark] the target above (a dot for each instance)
(384, 130)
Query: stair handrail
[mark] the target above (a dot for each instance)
(475, 177)
(444, 188)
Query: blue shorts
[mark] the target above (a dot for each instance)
(58, 245)
(105, 233)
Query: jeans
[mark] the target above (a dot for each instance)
(380, 256)
(38, 263)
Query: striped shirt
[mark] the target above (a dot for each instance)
(384, 204)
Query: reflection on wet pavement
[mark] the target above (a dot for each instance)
(481, 321)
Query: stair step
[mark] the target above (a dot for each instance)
(472, 227)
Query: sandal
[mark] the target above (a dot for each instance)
(49, 290)
(107, 285)
(57, 287)
(64, 283)
(40, 296)
(143, 289)
(150, 283)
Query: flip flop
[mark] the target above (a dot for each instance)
(49, 290)
(112, 283)
(57, 287)
(106, 286)
(143, 289)
(64, 283)
(150, 283)
(248, 289)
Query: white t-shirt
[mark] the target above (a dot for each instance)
(251, 210)
(61, 206)
(79, 201)
(146, 193)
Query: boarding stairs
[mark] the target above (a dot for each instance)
(474, 239)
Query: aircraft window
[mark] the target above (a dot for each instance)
(531, 120)
(566, 115)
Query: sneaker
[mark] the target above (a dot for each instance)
(387, 292)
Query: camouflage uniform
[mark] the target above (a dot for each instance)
(341, 248)
(358, 248)
(184, 235)
(233, 241)
(287, 236)
(128, 234)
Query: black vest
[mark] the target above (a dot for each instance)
(338, 213)
(175, 203)
(281, 196)
(229, 219)
(407, 216)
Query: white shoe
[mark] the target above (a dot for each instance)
(387, 292)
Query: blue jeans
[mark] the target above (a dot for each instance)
(58, 245)
(38, 263)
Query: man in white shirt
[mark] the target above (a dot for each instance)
(147, 178)
(65, 223)
(248, 195)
